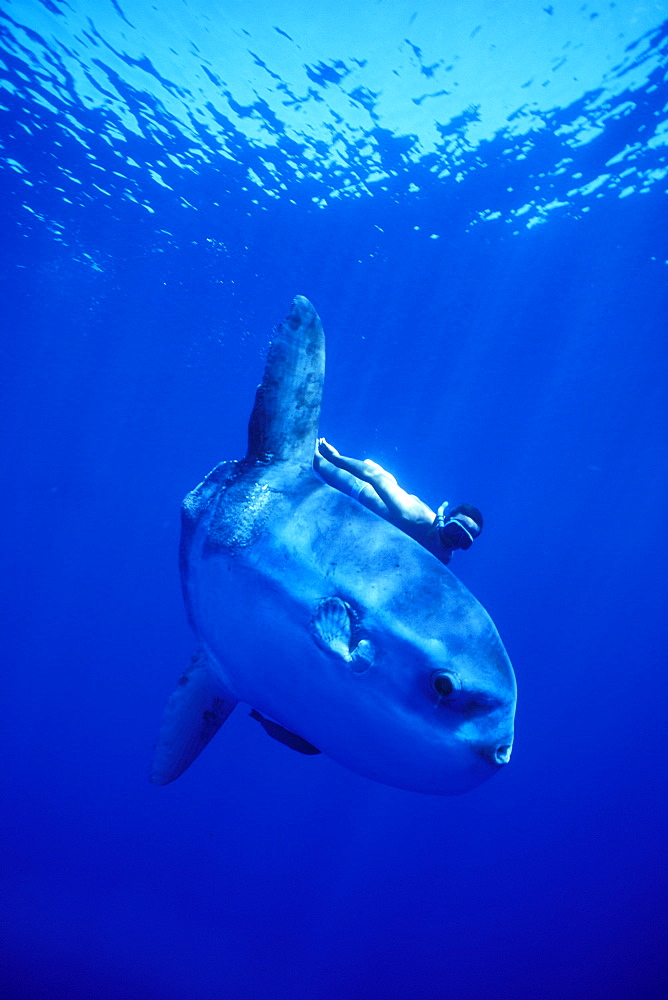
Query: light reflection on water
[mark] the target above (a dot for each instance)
(280, 101)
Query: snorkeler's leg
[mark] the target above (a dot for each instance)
(332, 475)
(355, 466)
(399, 505)
(345, 481)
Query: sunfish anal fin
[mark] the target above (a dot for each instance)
(194, 714)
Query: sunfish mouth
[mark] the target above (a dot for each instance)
(498, 753)
(502, 753)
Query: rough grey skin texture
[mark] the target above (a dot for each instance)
(325, 618)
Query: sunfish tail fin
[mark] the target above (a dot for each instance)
(194, 714)
(284, 422)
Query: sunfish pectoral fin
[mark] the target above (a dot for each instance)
(334, 629)
(193, 716)
(283, 735)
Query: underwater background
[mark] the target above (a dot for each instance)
(473, 195)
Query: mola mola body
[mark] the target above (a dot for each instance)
(326, 618)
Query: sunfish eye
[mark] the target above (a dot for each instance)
(444, 684)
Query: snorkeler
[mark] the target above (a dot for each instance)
(376, 489)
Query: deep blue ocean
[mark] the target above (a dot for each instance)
(473, 195)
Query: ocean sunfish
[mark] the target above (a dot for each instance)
(343, 634)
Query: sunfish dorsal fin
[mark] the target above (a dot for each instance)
(193, 716)
(284, 423)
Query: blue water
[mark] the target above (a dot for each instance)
(474, 198)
